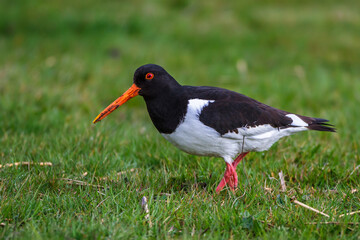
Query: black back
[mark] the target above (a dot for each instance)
(232, 110)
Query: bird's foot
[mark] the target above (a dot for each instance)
(230, 178)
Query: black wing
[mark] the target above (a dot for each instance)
(232, 110)
(225, 116)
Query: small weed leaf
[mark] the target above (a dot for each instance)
(279, 200)
(248, 221)
(305, 197)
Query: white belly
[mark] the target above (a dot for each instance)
(199, 139)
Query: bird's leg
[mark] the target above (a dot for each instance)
(238, 159)
(230, 178)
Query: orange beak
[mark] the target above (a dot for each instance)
(130, 93)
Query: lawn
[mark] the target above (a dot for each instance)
(62, 62)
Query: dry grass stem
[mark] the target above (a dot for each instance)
(267, 223)
(101, 202)
(333, 223)
(80, 183)
(126, 171)
(165, 194)
(25, 164)
(269, 190)
(349, 214)
(145, 207)
(282, 181)
(310, 208)
(356, 168)
(121, 173)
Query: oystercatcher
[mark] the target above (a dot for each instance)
(211, 121)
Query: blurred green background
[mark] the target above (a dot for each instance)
(59, 55)
(62, 62)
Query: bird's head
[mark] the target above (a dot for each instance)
(150, 81)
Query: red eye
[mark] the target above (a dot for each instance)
(149, 76)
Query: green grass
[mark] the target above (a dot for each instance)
(62, 62)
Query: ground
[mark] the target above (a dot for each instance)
(62, 62)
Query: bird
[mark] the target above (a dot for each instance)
(212, 121)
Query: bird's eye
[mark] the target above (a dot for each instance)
(149, 76)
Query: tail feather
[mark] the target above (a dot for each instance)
(319, 124)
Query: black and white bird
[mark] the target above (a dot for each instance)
(211, 121)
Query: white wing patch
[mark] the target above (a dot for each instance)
(298, 122)
(196, 105)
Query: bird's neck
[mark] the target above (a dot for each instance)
(168, 109)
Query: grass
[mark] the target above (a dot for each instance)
(62, 62)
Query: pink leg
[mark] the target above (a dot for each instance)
(239, 158)
(230, 175)
(230, 178)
